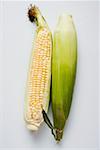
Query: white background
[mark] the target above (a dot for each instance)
(17, 33)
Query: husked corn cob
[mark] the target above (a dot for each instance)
(64, 61)
(39, 73)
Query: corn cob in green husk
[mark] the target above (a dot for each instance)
(39, 73)
(64, 62)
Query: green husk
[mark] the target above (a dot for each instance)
(64, 62)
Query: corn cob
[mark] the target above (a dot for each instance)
(64, 61)
(39, 73)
